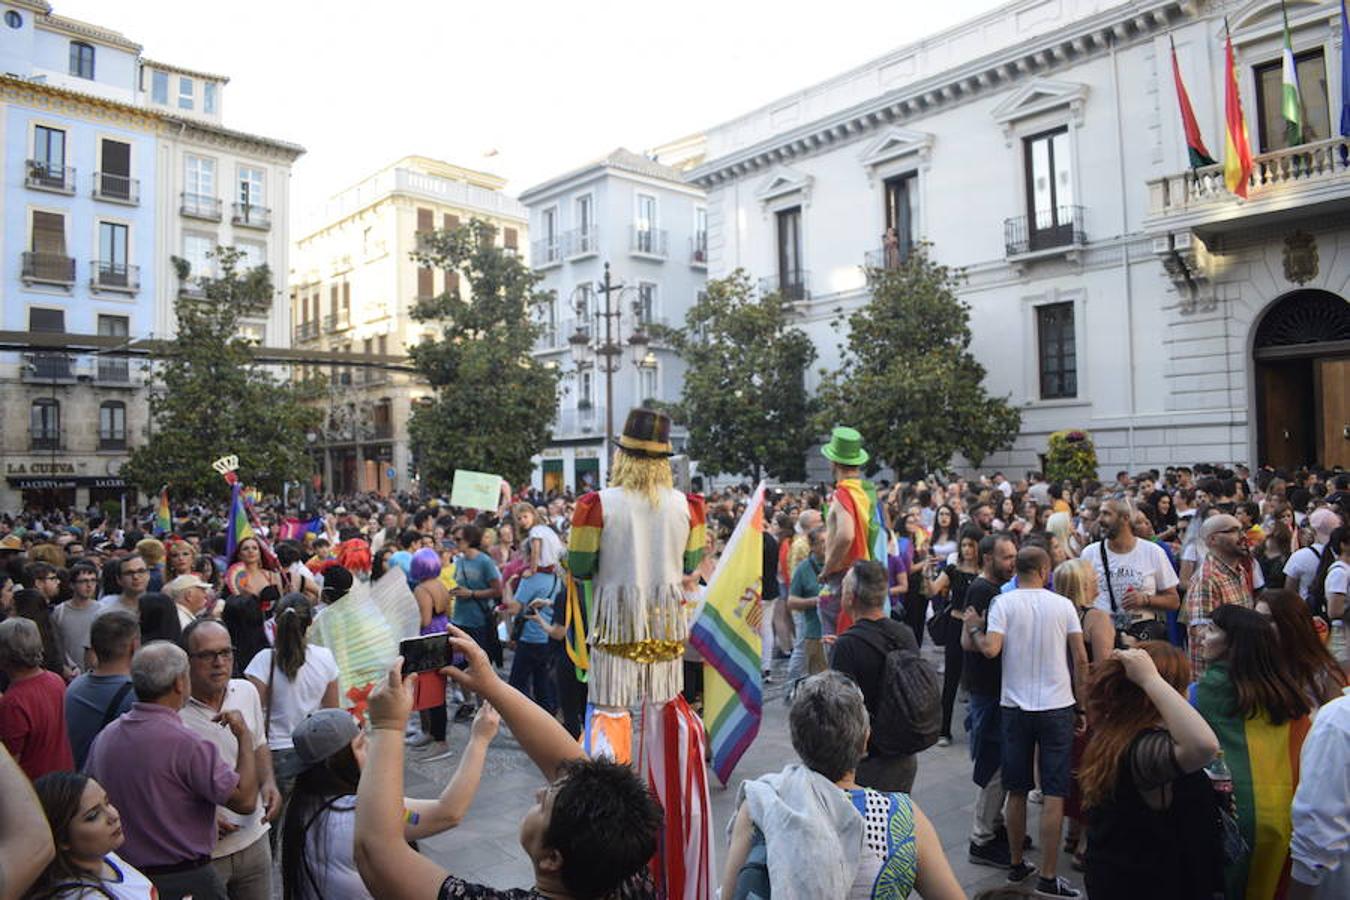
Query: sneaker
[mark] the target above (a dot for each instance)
(1019, 873)
(768, 677)
(1035, 795)
(420, 739)
(944, 741)
(444, 754)
(993, 854)
(1055, 887)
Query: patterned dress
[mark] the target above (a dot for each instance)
(890, 857)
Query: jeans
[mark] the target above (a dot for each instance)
(953, 657)
(247, 873)
(532, 673)
(985, 732)
(797, 661)
(766, 639)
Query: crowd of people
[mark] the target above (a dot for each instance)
(1146, 660)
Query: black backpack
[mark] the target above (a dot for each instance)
(909, 710)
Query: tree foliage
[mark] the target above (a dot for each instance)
(744, 399)
(211, 399)
(492, 404)
(909, 382)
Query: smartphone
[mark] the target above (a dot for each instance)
(426, 653)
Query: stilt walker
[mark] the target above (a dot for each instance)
(634, 540)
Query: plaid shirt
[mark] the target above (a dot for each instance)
(1213, 584)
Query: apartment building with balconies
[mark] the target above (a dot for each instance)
(354, 284)
(641, 222)
(92, 220)
(1039, 149)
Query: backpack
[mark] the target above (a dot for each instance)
(909, 710)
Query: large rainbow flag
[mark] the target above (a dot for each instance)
(163, 517)
(858, 497)
(237, 526)
(726, 633)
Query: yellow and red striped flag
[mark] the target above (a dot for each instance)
(1237, 149)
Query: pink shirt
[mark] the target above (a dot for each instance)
(33, 724)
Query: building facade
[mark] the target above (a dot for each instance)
(353, 288)
(1039, 148)
(639, 221)
(92, 219)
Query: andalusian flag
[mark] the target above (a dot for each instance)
(1195, 144)
(1291, 104)
(1237, 150)
(726, 633)
(237, 526)
(163, 518)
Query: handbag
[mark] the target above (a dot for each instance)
(1140, 630)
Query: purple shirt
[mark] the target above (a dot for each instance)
(165, 781)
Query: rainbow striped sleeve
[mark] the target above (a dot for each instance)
(698, 533)
(583, 547)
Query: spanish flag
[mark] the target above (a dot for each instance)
(1237, 150)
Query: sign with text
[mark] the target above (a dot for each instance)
(475, 490)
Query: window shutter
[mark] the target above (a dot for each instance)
(451, 281)
(426, 286)
(48, 321)
(333, 299)
(49, 233)
(509, 238)
(346, 296)
(116, 158)
(426, 220)
(450, 221)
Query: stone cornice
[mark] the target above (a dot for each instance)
(996, 72)
(53, 22)
(179, 70)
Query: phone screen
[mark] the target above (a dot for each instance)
(425, 654)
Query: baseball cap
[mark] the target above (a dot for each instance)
(323, 733)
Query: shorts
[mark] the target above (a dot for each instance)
(1050, 731)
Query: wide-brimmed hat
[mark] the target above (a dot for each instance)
(646, 433)
(845, 447)
(182, 584)
(11, 542)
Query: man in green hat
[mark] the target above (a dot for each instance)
(851, 526)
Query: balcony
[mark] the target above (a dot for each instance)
(1307, 181)
(794, 286)
(698, 250)
(579, 242)
(112, 440)
(384, 431)
(45, 439)
(545, 252)
(48, 268)
(579, 422)
(47, 367)
(117, 189)
(1051, 231)
(306, 331)
(109, 276)
(192, 287)
(45, 176)
(335, 322)
(649, 242)
(247, 215)
(199, 206)
(114, 372)
(371, 377)
(887, 257)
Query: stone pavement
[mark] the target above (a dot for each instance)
(486, 848)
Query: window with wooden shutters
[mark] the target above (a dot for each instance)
(426, 282)
(114, 177)
(449, 221)
(333, 299)
(47, 321)
(49, 233)
(426, 220)
(510, 238)
(451, 281)
(346, 298)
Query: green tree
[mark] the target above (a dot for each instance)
(211, 399)
(493, 402)
(744, 399)
(909, 382)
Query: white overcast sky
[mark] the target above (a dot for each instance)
(548, 86)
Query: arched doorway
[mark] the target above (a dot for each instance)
(1302, 357)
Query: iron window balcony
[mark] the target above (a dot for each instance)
(1050, 229)
(117, 188)
(579, 242)
(647, 242)
(48, 268)
(306, 331)
(45, 439)
(698, 249)
(792, 285)
(114, 371)
(108, 276)
(48, 367)
(249, 215)
(335, 322)
(45, 176)
(112, 440)
(199, 206)
(545, 252)
(887, 257)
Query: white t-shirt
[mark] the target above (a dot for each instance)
(242, 697)
(550, 545)
(1303, 566)
(1338, 578)
(1145, 568)
(1035, 624)
(331, 855)
(291, 701)
(127, 884)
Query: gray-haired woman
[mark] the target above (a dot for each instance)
(861, 843)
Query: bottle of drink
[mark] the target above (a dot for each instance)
(1220, 778)
(1337, 646)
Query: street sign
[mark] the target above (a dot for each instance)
(390, 473)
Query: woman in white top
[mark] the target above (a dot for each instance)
(86, 829)
(293, 679)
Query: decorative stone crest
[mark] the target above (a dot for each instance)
(1300, 257)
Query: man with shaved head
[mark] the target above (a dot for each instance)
(1227, 574)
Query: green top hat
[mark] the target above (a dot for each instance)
(845, 447)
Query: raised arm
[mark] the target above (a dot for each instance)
(1193, 740)
(25, 840)
(430, 817)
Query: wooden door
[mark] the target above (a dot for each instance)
(1333, 381)
(1286, 408)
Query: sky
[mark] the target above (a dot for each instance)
(525, 89)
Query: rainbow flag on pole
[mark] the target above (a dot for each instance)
(726, 633)
(163, 517)
(237, 526)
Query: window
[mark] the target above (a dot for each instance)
(1312, 90)
(700, 250)
(199, 251)
(251, 187)
(648, 378)
(49, 234)
(44, 424)
(114, 177)
(112, 254)
(13, 19)
(81, 60)
(451, 281)
(48, 260)
(791, 280)
(426, 221)
(114, 326)
(253, 255)
(645, 307)
(113, 368)
(1050, 213)
(112, 425)
(585, 214)
(585, 389)
(46, 321)
(199, 178)
(549, 226)
(426, 282)
(49, 157)
(209, 98)
(185, 89)
(510, 239)
(1057, 351)
(645, 226)
(159, 87)
(449, 221)
(902, 205)
(585, 305)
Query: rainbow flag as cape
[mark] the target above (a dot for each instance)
(858, 497)
(237, 526)
(726, 633)
(163, 517)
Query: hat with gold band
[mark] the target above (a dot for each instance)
(646, 433)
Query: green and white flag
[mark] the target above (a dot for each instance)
(1291, 104)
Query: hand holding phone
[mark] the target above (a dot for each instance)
(426, 653)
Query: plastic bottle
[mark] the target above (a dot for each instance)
(1220, 778)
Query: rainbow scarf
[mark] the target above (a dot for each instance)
(163, 517)
(1264, 760)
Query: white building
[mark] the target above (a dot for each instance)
(1040, 148)
(642, 220)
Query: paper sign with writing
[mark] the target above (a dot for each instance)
(475, 490)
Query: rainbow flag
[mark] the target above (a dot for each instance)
(726, 633)
(163, 517)
(293, 529)
(1264, 760)
(237, 526)
(858, 497)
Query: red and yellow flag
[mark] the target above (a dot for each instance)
(1237, 150)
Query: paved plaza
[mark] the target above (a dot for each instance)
(485, 848)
